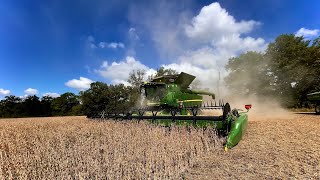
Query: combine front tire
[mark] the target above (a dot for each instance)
(317, 109)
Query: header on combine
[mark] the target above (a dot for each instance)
(168, 100)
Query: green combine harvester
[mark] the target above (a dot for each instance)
(167, 100)
(315, 98)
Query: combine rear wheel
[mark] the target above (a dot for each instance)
(317, 108)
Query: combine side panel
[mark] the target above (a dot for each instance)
(238, 128)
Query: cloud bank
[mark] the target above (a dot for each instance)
(199, 44)
(307, 33)
(80, 84)
(118, 72)
(4, 92)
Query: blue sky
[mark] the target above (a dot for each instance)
(59, 46)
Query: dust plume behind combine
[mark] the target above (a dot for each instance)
(247, 88)
(262, 107)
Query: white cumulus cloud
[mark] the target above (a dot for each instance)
(213, 22)
(119, 72)
(308, 33)
(4, 92)
(205, 64)
(31, 91)
(51, 94)
(214, 25)
(80, 84)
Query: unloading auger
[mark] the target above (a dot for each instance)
(167, 100)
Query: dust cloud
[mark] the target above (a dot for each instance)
(262, 107)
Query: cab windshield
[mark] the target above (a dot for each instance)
(155, 92)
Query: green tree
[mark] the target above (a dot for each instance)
(31, 106)
(110, 98)
(136, 77)
(63, 105)
(95, 99)
(313, 73)
(249, 73)
(12, 106)
(293, 63)
(120, 98)
(46, 102)
(163, 71)
(2, 109)
(77, 110)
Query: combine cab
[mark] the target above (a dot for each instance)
(168, 100)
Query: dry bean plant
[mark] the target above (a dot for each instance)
(79, 148)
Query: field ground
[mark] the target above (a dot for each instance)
(278, 146)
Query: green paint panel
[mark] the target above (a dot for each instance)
(238, 128)
(184, 80)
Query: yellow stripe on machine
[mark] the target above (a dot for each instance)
(193, 100)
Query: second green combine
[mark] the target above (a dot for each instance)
(168, 100)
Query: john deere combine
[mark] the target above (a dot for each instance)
(168, 100)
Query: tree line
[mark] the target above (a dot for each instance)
(288, 70)
(32, 106)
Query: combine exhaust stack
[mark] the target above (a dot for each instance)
(170, 101)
